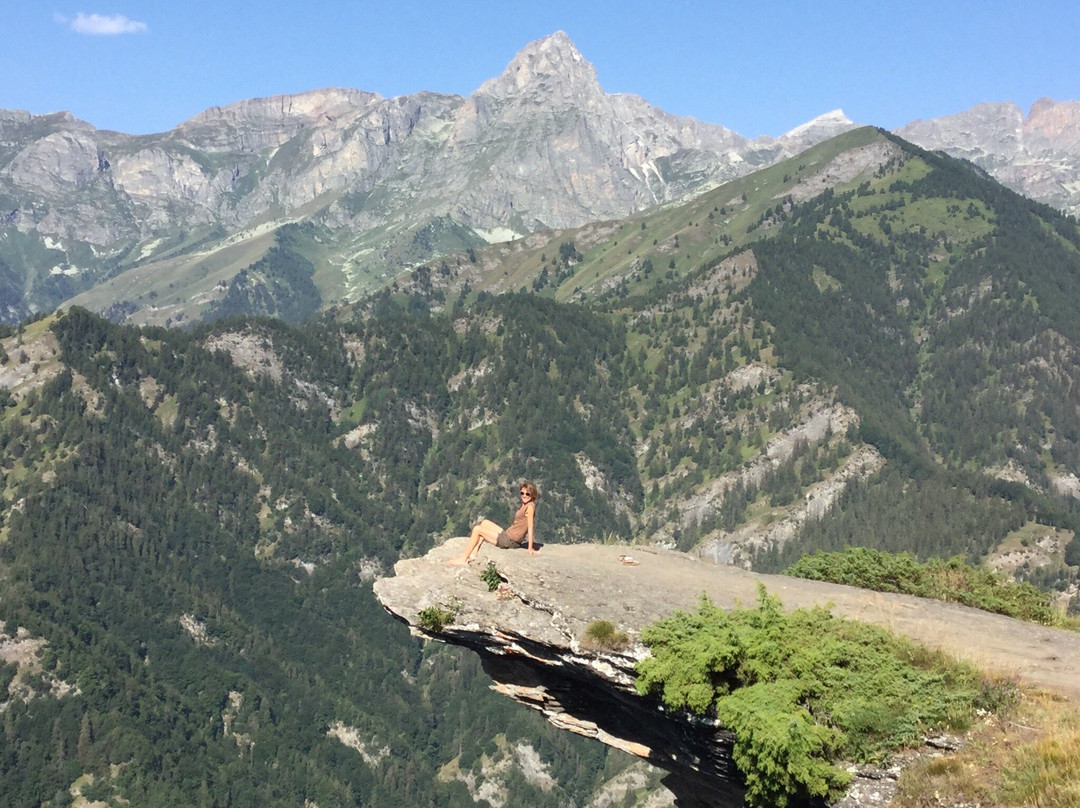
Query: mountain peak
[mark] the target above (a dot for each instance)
(1054, 124)
(820, 128)
(302, 108)
(835, 121)
(552, 66)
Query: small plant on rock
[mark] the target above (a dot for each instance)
(438, 617)
(491, 576)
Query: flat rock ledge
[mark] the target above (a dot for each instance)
(529, 635)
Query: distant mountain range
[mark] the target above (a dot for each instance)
(167, 222)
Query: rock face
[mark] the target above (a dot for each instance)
(530, 634)
(397, 181)
(541, 145)
(1038, 156)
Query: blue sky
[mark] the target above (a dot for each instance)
(758, 68)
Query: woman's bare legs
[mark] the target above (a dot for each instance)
(485, 531)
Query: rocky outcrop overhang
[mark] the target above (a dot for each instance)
(529, 636)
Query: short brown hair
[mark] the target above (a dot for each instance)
(534, 494)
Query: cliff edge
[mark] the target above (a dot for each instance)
(529, 634)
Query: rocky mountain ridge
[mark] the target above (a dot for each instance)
(395, 182)
(398, 180)
(1038, 156)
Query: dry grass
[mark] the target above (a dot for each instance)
(1067, 622)
(1028, 758)
(603, 635)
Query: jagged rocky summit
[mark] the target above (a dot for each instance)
(1037, 156)
(529, 635)
(541, 145)
(393, 181)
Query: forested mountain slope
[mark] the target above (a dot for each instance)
(194, 543)
(871, 345)
(864, 307)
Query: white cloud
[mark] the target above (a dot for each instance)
(101, 24)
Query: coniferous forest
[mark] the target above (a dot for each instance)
(191, 518)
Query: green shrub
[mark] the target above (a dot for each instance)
(8, 670)
(98, 790)
(438, 617)
(802, 690)
(951, 580)
(491, 576)
(1000, 695)
(604, 635)
(1072, 552)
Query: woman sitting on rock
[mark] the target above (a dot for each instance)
(488, 531)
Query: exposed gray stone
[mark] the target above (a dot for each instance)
(1038, 156)
(529, 636)
(541, 145)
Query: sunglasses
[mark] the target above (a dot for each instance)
(526, 494)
